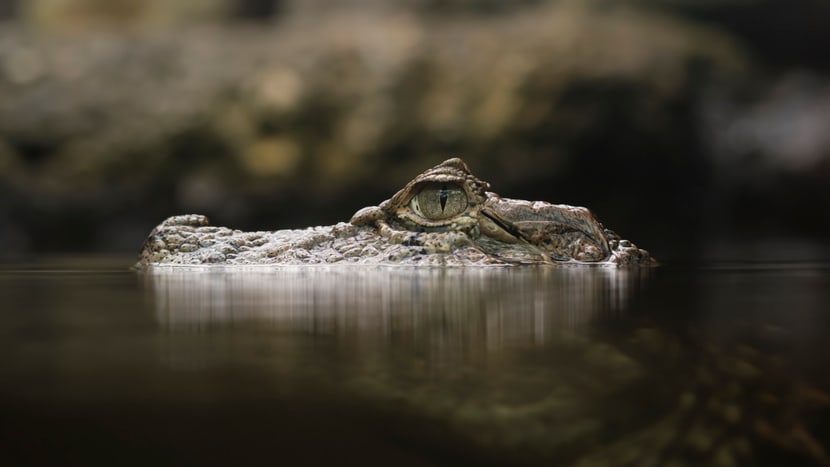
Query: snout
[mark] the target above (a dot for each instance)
(564, 232)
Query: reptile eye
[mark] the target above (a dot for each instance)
(438, 201)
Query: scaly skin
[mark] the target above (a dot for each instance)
(444, 216)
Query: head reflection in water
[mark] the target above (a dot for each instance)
(481, 307)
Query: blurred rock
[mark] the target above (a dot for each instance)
(68, 15)
(305, 121)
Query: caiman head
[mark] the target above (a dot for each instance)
(449, 199)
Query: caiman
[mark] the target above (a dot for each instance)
(443, 217)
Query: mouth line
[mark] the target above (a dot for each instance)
(514, 231)
(502, 224)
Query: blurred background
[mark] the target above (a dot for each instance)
(698, 129)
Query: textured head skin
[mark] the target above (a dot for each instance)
(444, 216)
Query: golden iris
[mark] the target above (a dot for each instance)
(438, 201)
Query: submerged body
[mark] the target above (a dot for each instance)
(445, 216)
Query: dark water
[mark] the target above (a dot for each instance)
(719, 365)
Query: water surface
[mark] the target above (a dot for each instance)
(717, 365)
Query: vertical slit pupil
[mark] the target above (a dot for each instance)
(442, 196)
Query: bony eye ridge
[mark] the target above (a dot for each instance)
(438, 201)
